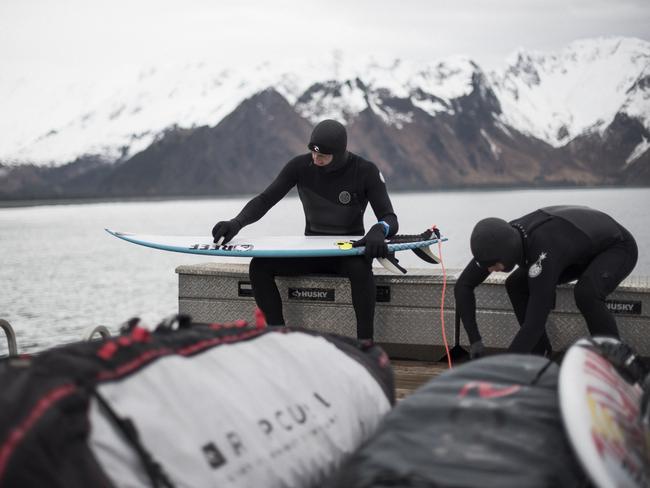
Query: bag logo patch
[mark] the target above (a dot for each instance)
(483, 389)
(536, 268)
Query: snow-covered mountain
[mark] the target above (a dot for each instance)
(577, 117)
(51, 121)
(559, 96)
(554, 97)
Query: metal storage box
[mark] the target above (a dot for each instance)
(408, 314)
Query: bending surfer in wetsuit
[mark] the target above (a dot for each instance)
(551, 245)
(335, 187)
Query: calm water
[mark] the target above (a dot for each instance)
(61, 273)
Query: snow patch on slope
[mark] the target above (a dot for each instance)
(638, 151)
(558, 96)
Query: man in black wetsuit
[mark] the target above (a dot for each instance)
(334, 186)
(552, 245)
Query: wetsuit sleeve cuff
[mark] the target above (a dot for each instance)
(385, 226)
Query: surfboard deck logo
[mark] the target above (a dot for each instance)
(222, 247)
(601, 414)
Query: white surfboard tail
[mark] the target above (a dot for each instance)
(392, 264)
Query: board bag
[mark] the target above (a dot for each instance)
(203, 405)
(493, 422)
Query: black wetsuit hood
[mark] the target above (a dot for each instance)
(330, 137)
(493, 241)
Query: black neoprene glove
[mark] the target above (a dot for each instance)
(375, 242)
(226, 229)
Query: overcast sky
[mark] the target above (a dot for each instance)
(94, 35)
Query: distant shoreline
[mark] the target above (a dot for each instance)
(487, 189)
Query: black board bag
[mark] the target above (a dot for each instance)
(493, 422)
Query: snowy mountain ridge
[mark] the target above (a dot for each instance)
(554, 97)
(558, 96)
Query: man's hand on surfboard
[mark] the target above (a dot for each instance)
(375, 242)
(226, 229)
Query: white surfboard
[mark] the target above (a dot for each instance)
(282, 246)
(600, 411)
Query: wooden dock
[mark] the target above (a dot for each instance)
(410, 375)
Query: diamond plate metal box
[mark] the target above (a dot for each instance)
(408, 318)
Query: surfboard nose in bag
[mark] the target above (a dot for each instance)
(200, 406)
(493, 422)
(604, 399)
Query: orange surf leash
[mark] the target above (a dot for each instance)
(442, 297)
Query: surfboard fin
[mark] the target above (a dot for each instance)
(426, 254)
(392, 264)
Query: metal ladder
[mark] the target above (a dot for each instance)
(12, 347)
